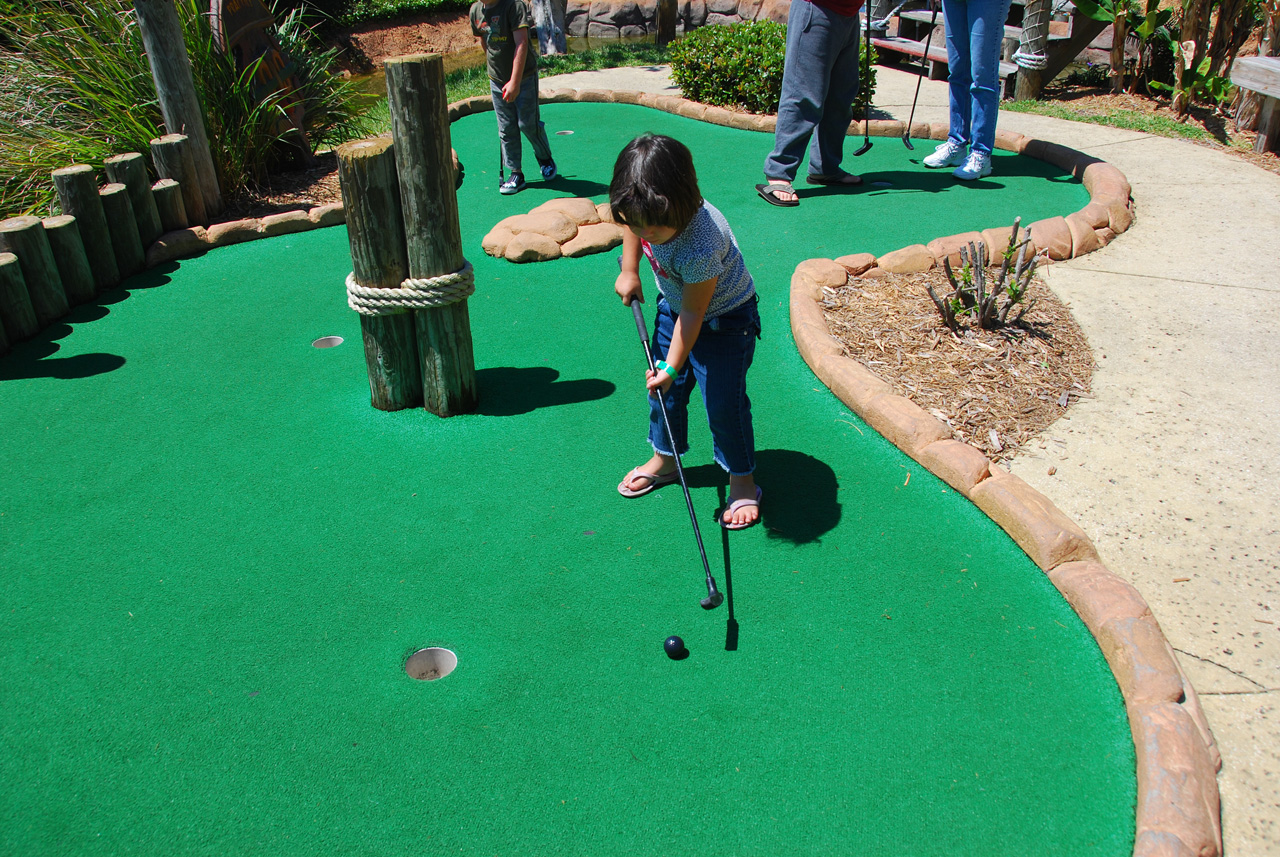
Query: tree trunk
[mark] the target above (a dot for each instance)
(78, 192)
(1119, 31)
(1194, 20)
(24, 237)
(166, 49)
(548, 20)
(379, 259)
(424, 163)
(130, 170)
(68, 254)
(666, 15)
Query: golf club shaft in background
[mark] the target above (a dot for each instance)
(924, 69)
(714, 597)
(866, 107)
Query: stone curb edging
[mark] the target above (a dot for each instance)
(1178, 805)
(194, 240)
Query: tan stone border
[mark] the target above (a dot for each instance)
(1178, 809)
(185, 243)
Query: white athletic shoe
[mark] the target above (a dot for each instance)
(948, 154)
(977, 165)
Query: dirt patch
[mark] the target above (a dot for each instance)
(995, 389)
(365, 48)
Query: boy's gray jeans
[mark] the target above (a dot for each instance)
(520, 116)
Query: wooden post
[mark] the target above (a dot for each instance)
(124, 229)
(78, 192)
(172, 154)
(171, 70)
(1033, 41)
(130, 170)
(167, 195)
(666, 23)
(24, 237)
(16, 313)
(424, 163)
(68, 254)
(379, 259)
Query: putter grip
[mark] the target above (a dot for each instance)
(640, 325)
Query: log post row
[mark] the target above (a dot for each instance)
(380, 259)
(69, 255)
(17, 316)
(78, 192)
(167, 195)
(172, 154)
(25, 238)
(123, 228)
(130, 170)
(420, 127)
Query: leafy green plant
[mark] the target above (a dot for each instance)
(740, 66)
(970, 296)
(75, 87)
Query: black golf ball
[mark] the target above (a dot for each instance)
(674, 646)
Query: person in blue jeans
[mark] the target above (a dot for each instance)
(502, 26)
(706, 323)
(819, 84)
(975, 31)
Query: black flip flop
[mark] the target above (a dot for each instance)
(769, 193)
(838, 180)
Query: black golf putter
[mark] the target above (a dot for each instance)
(866, 108)
(924, 69)
(714, 598)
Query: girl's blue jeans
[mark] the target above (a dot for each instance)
(718, 364)
(975, 31)
(520, 116)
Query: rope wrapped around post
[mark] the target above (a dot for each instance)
(412, 294)
(1035, 36)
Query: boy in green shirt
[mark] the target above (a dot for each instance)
(503, 29)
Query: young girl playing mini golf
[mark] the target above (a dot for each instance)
(706, 324)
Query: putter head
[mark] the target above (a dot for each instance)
(713, 600)
(906, 141)
(863, 149)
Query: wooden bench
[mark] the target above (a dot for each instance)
(1262, 75)
(937, 56)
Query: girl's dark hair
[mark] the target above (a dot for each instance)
(654, 184)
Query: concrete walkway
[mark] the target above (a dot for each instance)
(1173, 466)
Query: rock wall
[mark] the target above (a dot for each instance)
(611, 19)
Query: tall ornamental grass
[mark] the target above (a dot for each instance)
(75, 87)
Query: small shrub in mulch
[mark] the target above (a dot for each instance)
(996, 389)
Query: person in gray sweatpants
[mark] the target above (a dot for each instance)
(819, 84)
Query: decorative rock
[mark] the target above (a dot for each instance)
(1099, 178)
(997, 240)
(948, 247)
(233, 232)
(909, 260)
(330, 214)
(626, 96)
(692, 110)
(717, 115)
(581, 211)
(1040, 528)
(824, 272)
(1052, 236)
(958, 464)
(1096, 215)
(874, 273)
(596, 96)
(1121, 214)
(495, 243)
(939, 131)
(1157, 843)
(1010, 141)
(813, 339)
(920, 130)
(1105, 235)
(1064, 158)
(179, 244)
(1083, 238)
(553, 224)
(887, 127)
(593, 238)
(605, 212)
(286, 222)
(1097, 595)
(1177, 788)
(857, 264)
(903, 423)
(531, 247)
(1141, 660)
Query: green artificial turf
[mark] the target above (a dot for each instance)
(215, 557)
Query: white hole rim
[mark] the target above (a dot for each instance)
(431, 663)
(327, 342)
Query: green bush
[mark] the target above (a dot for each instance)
(740, 66)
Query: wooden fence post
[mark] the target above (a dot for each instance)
(124, 229)
(379, 259)
(167, 195)
(78, 192)
(424, 162)
(166, 49)
(16, 313)
(68, 254)
(130, 170)
(24, 237)
(172, 154)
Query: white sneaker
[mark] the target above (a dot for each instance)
(948, 154)
(977, 165)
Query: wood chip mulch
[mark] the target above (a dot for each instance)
(995, 389)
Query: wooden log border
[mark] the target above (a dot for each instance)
(1177, 756)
